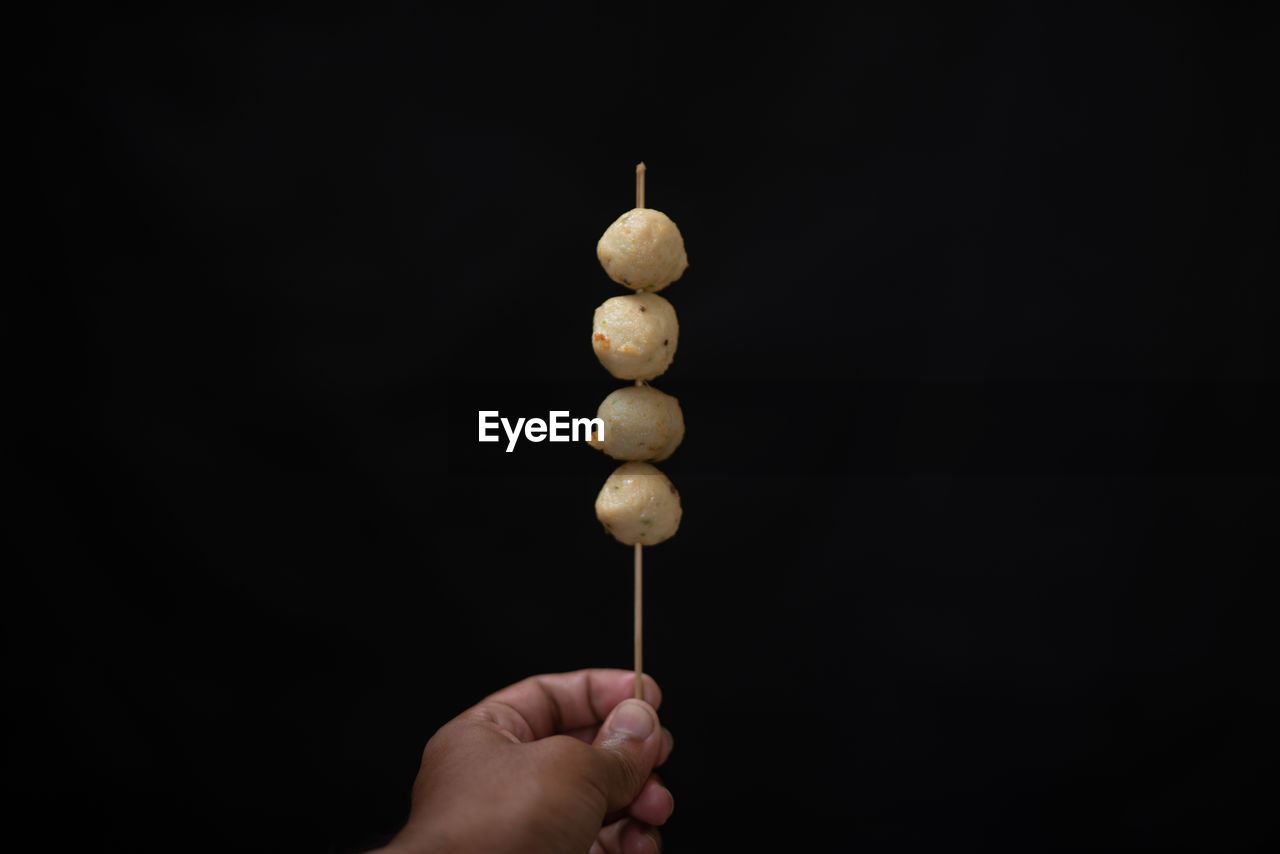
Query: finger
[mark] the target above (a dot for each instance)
(609, 840)
(626, 749)
(588, 734)
(640, 838)
(627, 837)
(560, 702)
(668, 744)
(654, 803)
(615, 815)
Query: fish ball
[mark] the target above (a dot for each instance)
(640, 423)
(643, 250)
(635, 336)
(638, 504)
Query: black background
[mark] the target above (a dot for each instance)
(979, 482)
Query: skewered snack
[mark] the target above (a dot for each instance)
(643, 250)
(635, 336)
(635, 339)
(638, 505)
(640, 423)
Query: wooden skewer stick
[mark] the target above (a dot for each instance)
(639, 611)
(639, 619)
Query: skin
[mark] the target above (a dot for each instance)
(560, 763)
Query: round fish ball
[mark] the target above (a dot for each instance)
(643, 250)
(638, 504)
(640, 423)
(635, 336)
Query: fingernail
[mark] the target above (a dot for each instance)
(632, 718)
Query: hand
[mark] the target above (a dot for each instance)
(559, 763)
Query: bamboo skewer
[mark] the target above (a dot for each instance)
(639, 619)
(639, 591)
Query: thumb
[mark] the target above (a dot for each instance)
(626, 749)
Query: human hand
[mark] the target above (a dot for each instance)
(555, 764)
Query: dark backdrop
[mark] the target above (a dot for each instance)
(979, 482)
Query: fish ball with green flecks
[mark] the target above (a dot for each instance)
(635, 336)
(638, 504)
(643, 250)
(640, 423)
